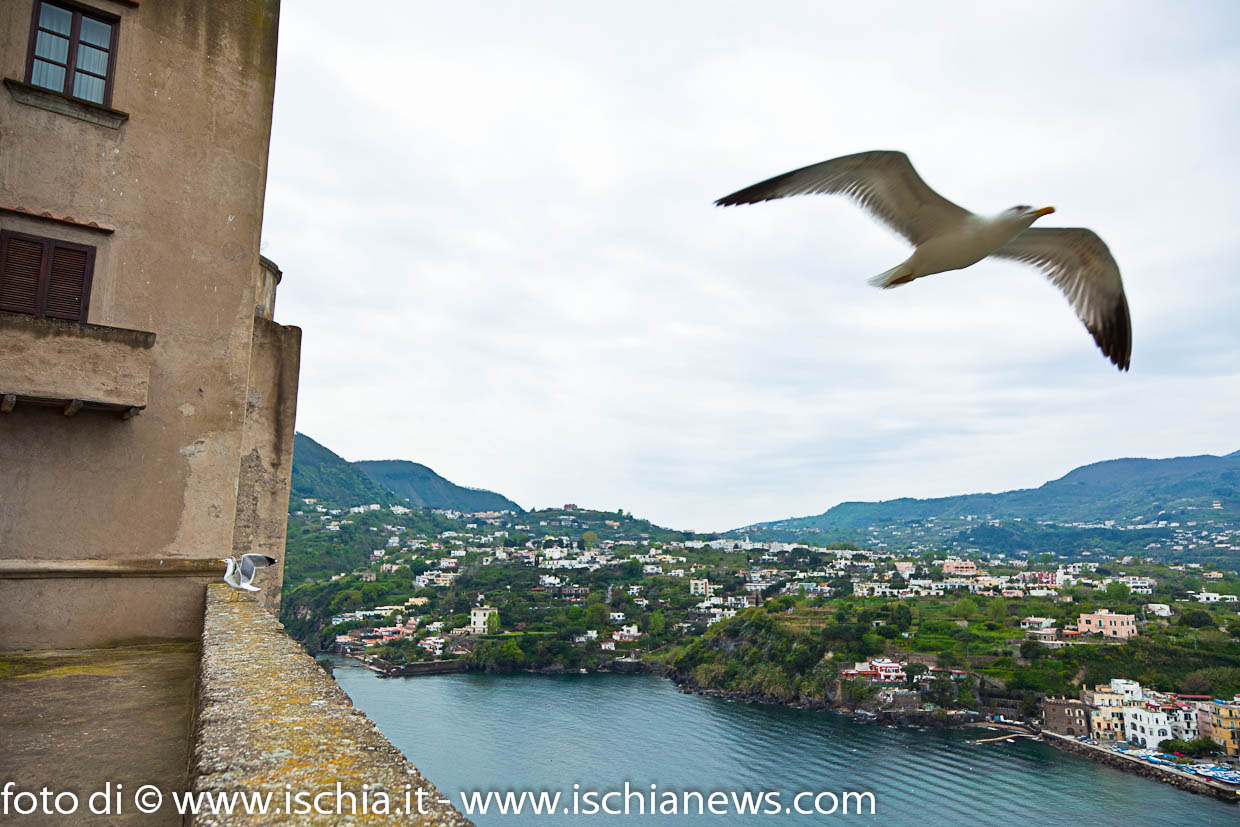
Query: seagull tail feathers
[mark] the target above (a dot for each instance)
(900, 274)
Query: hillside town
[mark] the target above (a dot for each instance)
(904, 635)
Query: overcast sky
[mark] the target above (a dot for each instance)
(496, 230)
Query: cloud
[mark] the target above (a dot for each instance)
(496, 227)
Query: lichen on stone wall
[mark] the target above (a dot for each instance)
(270, 720)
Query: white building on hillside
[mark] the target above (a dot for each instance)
(479, 617)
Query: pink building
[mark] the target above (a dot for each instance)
(1105, 623)
(959, 568)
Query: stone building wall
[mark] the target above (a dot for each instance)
(1065, 716)
(166, 183)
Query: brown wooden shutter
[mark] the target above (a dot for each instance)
(68, 283)
(20, 273)
(45, 277)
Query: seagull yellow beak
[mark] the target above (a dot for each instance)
(1043, 211)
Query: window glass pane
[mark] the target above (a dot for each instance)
(52, 47)
(48, 75)
(92, 59)
(96, 32)
(56, 19)
(88, 87)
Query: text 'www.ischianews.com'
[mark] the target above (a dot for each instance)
(629, 800)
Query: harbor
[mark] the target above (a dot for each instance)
(1211, 779)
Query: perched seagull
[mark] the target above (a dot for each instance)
(241, 577)
(948, 237)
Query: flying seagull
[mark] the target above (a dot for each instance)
(948, 237)
(241, 577)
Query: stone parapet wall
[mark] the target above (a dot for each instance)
(270, 720)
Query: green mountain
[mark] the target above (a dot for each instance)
(1123, 490)
(422, 486)
(322, 474)
(319, 473)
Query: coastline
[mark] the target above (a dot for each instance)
(917, 719)
(1176, 778)
(605, 729)
(938, 719)
(941, 718)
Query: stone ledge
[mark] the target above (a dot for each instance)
(80, 569)
(44, 327)
(62, 104)
(270, 720)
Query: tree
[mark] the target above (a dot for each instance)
(903, 617)
(966, 637)
(915, 670)
(841, 586)
(856, 691)
(590, 538)
(348, 599)
(1197, 619)
(1118, 591)
(966, 608)
(888, 631)
(947, 658)
(1195, 748)
(510, 654)
(597, 615)
(1219, 681)
(1195, 683)
(657, 623)
(942, 691)
(998, 609)
(1032, 650)
(492, 623)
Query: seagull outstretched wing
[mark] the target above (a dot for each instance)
(882, 181)
(1078, 262)
(250, 562)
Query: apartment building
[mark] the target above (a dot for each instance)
(1225, 725)
(1104, 622)
(1106, 715)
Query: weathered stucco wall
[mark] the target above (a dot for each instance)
(54, 359)
(270, 720)
(181, 182)
(167, 606)
(267, 452)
